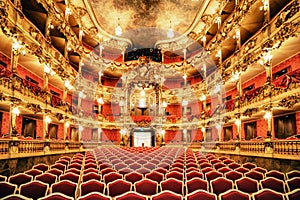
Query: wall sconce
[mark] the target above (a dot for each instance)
(184, 102)
(68, 85)
(235, 76)
(100, 101)
(80, 128)
(16, 111)
(67, 124)
(48, 119)
(18, 47)
(268, 115)
(48, 70)
(218, 126)
(123, 131)
(217, 88)
(237, 122)
(82, 95)
(202, 97)
(162, 132)
(203, 129)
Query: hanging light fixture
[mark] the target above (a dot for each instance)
(170, 31)
(118, 29)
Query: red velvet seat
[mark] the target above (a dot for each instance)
(233, 165)
(293, 184)
(155, 176)
(150, 166)
(219, 165)
(243, 170)
(176, 175)
(75, 165)
(19, 179)
(70, 176)
(34, 189)
(177, 164)
(274, 184)
(260, 169)
(161, 170)
(215, 161)
(143, 170)
(73, 170)
(135, 166)
(194, 174)
(131, 196)
(292, 174)
(90, 165)
(7, 188)
(192, 169)
(173, 185)
(196, 184)
(177, 169)
(228, 161)
(112, 176)
(63, 161)
(47, 178)
(125, 171)
(33, 172)
(90, 176)
(267, 194)
(59, 166)
(41, 166)
(220, 185)
(247, 185)
(167, 195)
(118, 187)
(224, 170)
(146, 187)
(105, 166)
(107, 171)
(276, 174)
(255, 175)
(55, 172)
(56, 196)
(233, 175)
(191, 164)
(204, 165)
(209, 176)
(201, 194)
(66, 187)
(133, 177)
(90, 170)
(119, 166)
(91, 186)
(293, 195)
(15, 197)
(207, 169)
(249, 165)
(234, 194)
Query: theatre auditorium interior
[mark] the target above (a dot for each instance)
(150, 99)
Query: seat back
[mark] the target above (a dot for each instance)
(220, 185)
(7, 188)
(146, 187)
(201, 194)
(273, 184)
(247, 185)
(196, 184)
(173, 185)
(267, 194)
(35, 189)
(133, 177)
(47, 178)
(66, 187)
(20, 179)
(234, 194)
(91, 186)
(118, 187)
